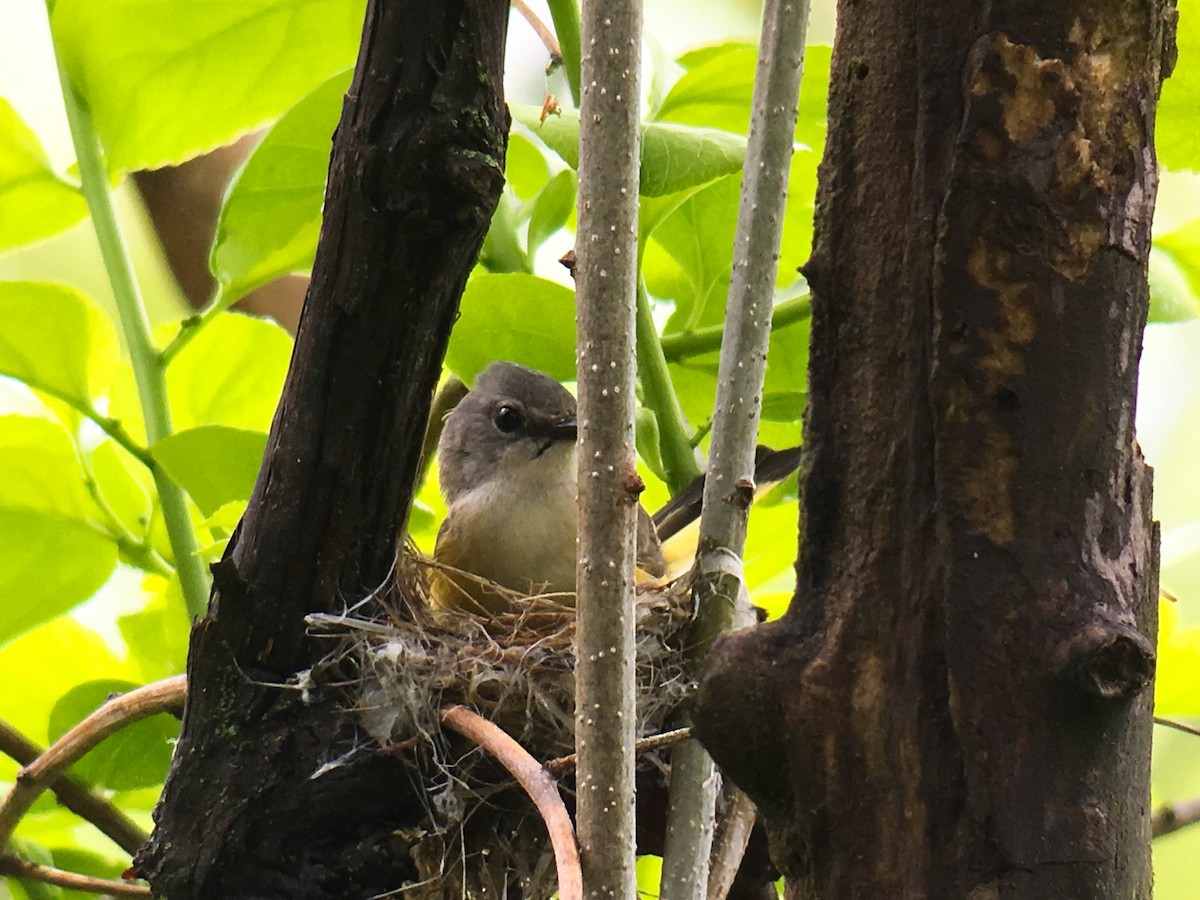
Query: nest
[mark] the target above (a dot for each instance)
(476, 834)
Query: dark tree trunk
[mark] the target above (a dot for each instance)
(416, 171)
(958, 702)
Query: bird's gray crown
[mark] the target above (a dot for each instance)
(512, 414)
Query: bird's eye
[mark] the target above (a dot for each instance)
(508, 419)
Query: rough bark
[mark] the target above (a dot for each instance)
(252, 806)
(958, 702)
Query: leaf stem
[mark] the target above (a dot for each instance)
(705, 340)
(565, 14)
(110, 426)
(137, 550)
(190, 328)
(148, 366)
(675, 444)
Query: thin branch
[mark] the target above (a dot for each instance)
(1174, 816)
(110, 718)
(538, 783)
(1177, 726)
(729, 843)
(729, 485)
(681, 346)
(15, 867)
(565, 15)
(112, 427)
(122, 830)
(148, 367)
(606, 297)
(190, 328)
(564, 764)
(135, 549)
(544, 34)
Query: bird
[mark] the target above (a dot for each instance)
(507, 471)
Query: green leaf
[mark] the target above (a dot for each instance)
(136, 756)
(55, 339)
(168, 81)
(551, 209)
(215, 464)
(784, 406)
(1173, 284)
(674, 157)
(699, 237)
(231, 374)
(40, 469)
(525, 167)
(226, 518)
(47, 662)
(48, 564)
(502, 251)
(716, 92)
(718, 88)
(677, 157)
(517, 317)
(1175, 273)
(1176, 139)
(34, 202)
(157, 635)
(785, 387)
(220, 526)
(125, 484)
(271, 217)
(646, 436)
(1179, 651)
(772, 539)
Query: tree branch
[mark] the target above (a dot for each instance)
(110, 718)
(538, 783)
(14, 866)
(563, 764)
(732, 834)
(729, 483)
(606, 278)
(1172, 817)
(545, 35)
(76, 797)
(416, 170)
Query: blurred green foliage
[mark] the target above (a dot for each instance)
(79, 516)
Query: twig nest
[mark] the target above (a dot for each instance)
(477, 836)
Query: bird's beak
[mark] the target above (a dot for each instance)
(564, 429)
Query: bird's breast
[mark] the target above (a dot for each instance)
(519, 529)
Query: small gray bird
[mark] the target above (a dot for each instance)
(507, 469)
